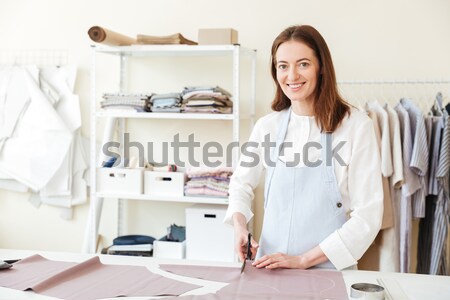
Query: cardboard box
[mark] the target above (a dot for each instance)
(207, 237)
(168, 249)
(217, 36)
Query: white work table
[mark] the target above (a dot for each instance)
(415, 286)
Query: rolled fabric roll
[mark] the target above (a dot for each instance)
(105, 36)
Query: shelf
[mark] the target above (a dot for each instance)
(146, 115)
(125, 54)
(184, 199)
(173, 50)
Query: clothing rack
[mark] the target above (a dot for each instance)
(421, 91)
(40, 57)
(356, 82)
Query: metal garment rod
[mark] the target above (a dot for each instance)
(41, 57)
(422, 91)
(356, 82)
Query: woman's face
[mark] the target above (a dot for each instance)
(297, 71)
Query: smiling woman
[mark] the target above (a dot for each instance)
(305, 49)
(297, 70)
(315, 215)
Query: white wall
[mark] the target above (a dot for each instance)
(368, 39)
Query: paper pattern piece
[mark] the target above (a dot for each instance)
(277, 284)
(221, 274)
(108, 37)
(88, 280)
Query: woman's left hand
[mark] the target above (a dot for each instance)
(280, 260)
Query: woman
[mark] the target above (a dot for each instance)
(323, 190)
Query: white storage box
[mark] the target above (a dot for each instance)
(120, 180)
(164, 183)
(167, 249)
(207, 237)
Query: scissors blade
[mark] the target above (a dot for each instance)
(243, 266)
(249, 252)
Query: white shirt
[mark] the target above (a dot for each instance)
(358, 177)
(37, 144)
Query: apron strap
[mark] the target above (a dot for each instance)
(275, 153)
(327, 155)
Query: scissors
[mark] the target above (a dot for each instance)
(6, 264)
(249, 251)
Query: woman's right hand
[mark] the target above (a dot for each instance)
(241, 237)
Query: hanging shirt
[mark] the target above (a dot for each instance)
(358, 176)
(396, 148)
(390, 253)
(442, 213)
(437, 125)
(381, 125)
(419, 155)
(411, 185)
(425, 239)
(38, 140)
(385, 145)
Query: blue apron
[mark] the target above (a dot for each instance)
(302, 204)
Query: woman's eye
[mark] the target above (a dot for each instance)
(304, 64)
(282, 67)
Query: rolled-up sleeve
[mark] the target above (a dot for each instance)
(245, 178)
(345, 246)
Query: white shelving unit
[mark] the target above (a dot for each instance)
(126, 52)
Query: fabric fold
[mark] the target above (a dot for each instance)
(88, 280)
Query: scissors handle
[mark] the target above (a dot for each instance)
(249, 246)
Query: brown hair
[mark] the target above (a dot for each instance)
(329, 107)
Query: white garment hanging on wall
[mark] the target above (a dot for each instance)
(34, 139)
(58, 82)
(67, 187)
(10, 184)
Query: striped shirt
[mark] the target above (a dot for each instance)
(425, 240)
(410, 186)
(436, 132)
(419, 155)
(442, 213)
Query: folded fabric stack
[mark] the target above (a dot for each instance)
(125, 101)
(211, 182)
(170, 102)
(133, 245)
(206, 99)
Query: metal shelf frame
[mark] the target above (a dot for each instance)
(175, 116)
(126, 52)
(184, 199)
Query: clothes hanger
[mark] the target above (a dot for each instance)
(404, 94)
(362, 97)
(372, 97)
(381, 99)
